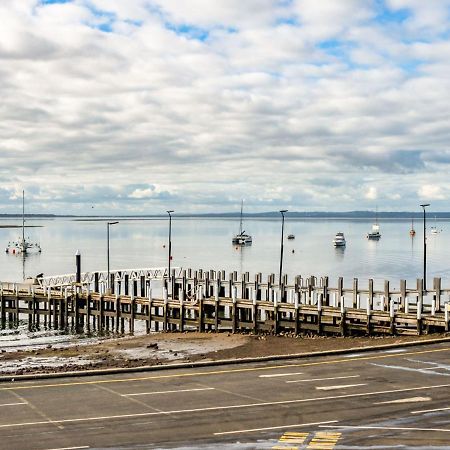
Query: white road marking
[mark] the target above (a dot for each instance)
(364, 427)
(167, 392)
(14, 404)
(280, 375)
(69, 448)
(342, 386)
(323, 379)
(427, 370)
(219, 408)
(274, 428)
(353, 355)
(395, 350)
(405, 400)
(429, 410)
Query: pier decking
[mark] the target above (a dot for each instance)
(212, 301)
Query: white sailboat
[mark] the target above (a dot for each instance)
(22, 246)
(375, 233)
(241, 238)
(434, 229)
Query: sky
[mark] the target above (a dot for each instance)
(140, 106)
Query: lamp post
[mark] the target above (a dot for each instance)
(283, 211)
(170, 242)
(424, 247)
(108, 224)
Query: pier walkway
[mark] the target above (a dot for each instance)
(212, 301)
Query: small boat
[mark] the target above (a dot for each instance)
(22, 246)
(241, 238)
(412, 231)
(339, 240)
(434, 229)
(375, 233)
(291, 236)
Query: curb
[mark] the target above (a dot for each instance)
(223, 362)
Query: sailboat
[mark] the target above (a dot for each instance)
(434, 229)
(22, 245)
(241, 238)
(412, 231)
(375, 233)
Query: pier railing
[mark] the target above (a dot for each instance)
(215, 301)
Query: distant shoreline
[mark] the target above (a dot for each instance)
(364, 215)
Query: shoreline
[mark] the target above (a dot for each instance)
(166, 349)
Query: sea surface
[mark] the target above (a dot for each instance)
(201, 243)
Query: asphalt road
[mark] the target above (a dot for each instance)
(378, 400)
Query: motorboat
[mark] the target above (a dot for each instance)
(339, 240)
(291, 236)
(242, 238)
(21, 245)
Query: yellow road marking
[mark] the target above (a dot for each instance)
(324, 440)
(220, 372)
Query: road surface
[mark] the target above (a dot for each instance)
(359, 401)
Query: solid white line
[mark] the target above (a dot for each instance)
(405, 400)
(429, 410)
(280, 375)
(167, 392)
(220, 408)
(363, 427)
(14, 404)
(69, 448)
(323, 379)
(274, 428)
(342, 386)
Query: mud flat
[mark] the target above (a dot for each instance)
(166, 348)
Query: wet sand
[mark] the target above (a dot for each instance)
(166, 348)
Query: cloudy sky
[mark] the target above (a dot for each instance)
(138, 106)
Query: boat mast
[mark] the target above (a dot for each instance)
(23, 220)
(240, 224)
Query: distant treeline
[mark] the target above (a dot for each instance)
(268, 214)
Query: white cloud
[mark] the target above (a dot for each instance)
(371, 193)
(431, 192)
(200, 98)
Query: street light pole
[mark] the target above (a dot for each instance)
(170, 242)
(424, 247)
(108, 224)
(283, 211)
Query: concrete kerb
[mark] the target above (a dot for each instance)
(223, 362)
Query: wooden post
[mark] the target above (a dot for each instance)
(419, 305)
(342, 326)
(2, 308)
(355, 293)
(275, 313)
(387, 297)
(254, 312)
(446, 316)
(437, 293)
(402, 295)
(132, 312)
(392, 315)
(340, 288)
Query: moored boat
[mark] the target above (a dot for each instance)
(241, 238)
(339, 240)
(21, 245)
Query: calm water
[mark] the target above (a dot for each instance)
(206, 244)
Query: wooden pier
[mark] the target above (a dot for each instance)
(211, 301)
